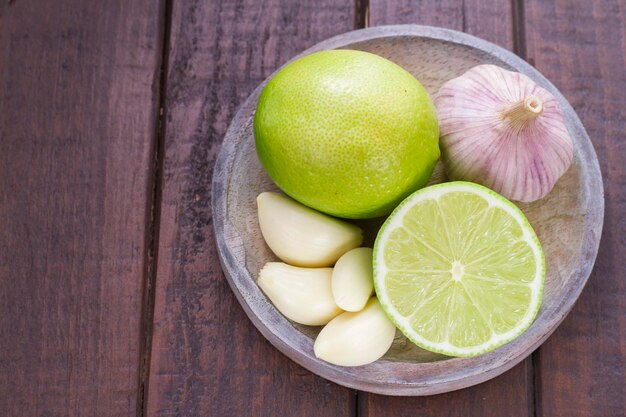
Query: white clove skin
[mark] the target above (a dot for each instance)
(302, 295)
(302, 236)
(353, 282)
(355, 339)
(500, 129)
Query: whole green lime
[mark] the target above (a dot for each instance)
(348, 133)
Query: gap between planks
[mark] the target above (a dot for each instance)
(519, 29)
(519, 48)
(361, 21)
(153, 213)
(361, 14)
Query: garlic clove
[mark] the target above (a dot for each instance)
(302, 236)
(354, 339)
(353, 282)
(302, 295)
(499, 129)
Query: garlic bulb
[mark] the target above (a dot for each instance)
(302, 236)
(501, 130)
(354, 339)
(352, 281)
(303, 295)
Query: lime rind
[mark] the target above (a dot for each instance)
(494, 199)
(346, 132)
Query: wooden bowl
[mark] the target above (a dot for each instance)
(568, 222)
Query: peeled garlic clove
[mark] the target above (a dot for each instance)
(354, 339)
(499, 129)
(353, 282)
(302, 236)
(303, 295)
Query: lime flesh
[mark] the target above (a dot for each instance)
(459, 269)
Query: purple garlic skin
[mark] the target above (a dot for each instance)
(500, 129)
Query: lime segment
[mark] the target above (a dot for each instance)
(459, 269)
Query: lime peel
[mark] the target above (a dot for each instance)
(347, 133)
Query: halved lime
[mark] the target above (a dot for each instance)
(458, 269)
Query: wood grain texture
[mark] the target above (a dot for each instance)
(580, 46)
(511, 393)
(207, 357)
(491, 20)
(446, 13)
(77, 126)
(505, 395)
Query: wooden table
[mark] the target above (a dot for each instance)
(112, 300)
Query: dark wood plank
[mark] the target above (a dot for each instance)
(488, 19)
(579, 45)
(207, 357)
(445, 13)
(78, 108)
(492, 20)
(511, 393)
(506, 395)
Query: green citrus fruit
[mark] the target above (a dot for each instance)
(346, 132)
(459, 269)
